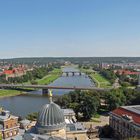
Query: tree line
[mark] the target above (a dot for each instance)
(75, 60)
(36, 73)
(88, 103)
(108, 74)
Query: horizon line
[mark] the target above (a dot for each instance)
(70, 57)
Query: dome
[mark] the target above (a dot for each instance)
(50, 118)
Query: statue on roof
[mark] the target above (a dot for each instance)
(50, 95)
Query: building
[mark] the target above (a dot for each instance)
(11, 72)
(25, 124)
(125, 121)
(8, 124)
(52, 124)
(69, 116)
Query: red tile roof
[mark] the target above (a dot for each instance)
(127, 72)
(8, 72)
(121, 111)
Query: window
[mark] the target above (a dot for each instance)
(127, 126)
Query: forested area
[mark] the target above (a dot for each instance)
(88, 103)
(75, 60)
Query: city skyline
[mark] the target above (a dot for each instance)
(76, 28)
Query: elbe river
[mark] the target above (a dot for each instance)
(24, 104)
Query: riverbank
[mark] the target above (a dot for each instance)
(52, 76)
(99, 80)
(9, 93)
(28, 103)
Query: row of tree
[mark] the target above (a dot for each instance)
(36, 73)
(84, 103)
(87, 103)
(108, 74)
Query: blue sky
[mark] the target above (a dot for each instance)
(69, 28)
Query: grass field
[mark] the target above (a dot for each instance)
(53, 75)
(100, 80)
(87, 71)
(7, 93)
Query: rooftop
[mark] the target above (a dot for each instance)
(75, 127)
(132, 111)
(68, 112)
(4, 115)
(32, 136)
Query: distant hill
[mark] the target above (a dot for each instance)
(76, 60)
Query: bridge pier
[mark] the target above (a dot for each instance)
(67, 74)
(73, 73)
(45, 92)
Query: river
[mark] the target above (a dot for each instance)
(24, 104)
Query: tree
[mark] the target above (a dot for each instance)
(33, 82)
(108, 74)
(88, 105)
(32, 116)
(83, 102)
(115, 98)
(136, 98)
(63, 101)
(106, 132)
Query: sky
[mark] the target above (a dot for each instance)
(69, 28)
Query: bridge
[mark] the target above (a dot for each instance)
(46, 87)
(72, 72)
(68, 73)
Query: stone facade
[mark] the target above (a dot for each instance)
(69, 115)
(77, 135)
(126, 122)
(9, 124)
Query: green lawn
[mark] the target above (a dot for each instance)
(100, 80)
(50, 77)
(6, 93)
(53, 75)
(88, 71)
